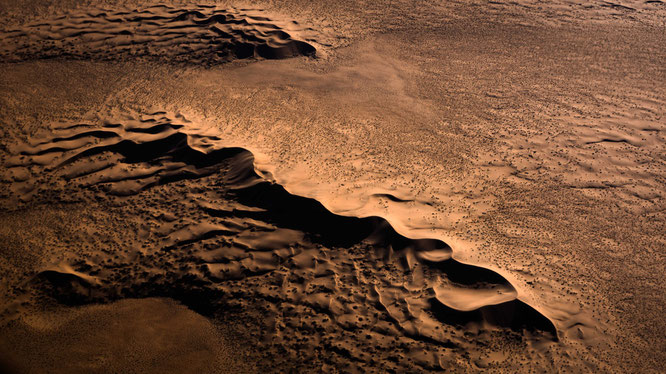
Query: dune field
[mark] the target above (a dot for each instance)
(332, 186)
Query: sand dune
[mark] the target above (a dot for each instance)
(219, 236)
(461, 186)
(200, 35)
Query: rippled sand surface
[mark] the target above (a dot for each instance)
(332, 186)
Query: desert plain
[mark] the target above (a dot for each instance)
(332, 186)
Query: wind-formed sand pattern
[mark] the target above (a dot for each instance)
(332, 186)
(196, 34)
(226, 241)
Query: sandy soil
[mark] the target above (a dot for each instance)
(144, 157)
(147, 335)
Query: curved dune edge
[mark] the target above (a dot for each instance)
(221, 237)
(200, 34)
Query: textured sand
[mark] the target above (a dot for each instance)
(138, 336)
(524, 140)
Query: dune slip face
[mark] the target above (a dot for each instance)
(316, 289)
(197, 34)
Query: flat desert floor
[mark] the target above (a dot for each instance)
(332, 186)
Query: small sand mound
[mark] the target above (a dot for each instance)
(128, 336)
